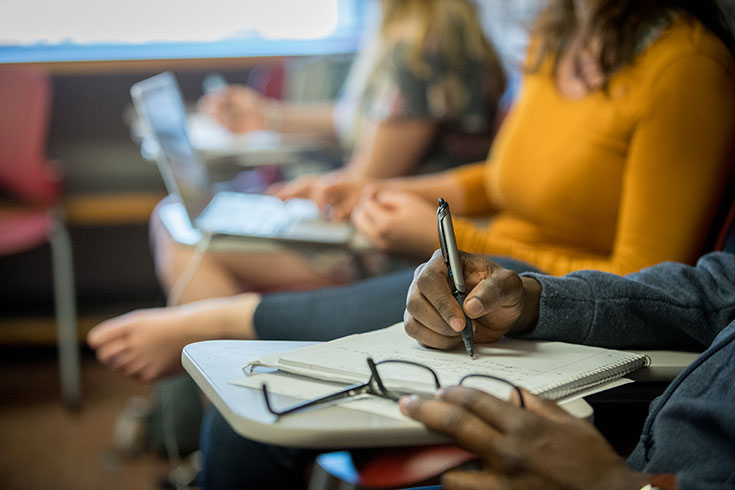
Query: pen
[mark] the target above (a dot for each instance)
(448, 244)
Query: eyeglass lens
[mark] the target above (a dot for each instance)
(396, 378)
(498, 387)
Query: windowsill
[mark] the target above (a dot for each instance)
(75, 59)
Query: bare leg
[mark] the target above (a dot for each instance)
(147, 344)
(222, 274)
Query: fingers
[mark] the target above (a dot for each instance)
(489, 284)
(237, 108)
(470, 432)
(329, 191)
(397, 221)
(368, 218)
(339, 195)
(499, 414)
(428, 337)
(422, 321)
(275, 188)
(544, 407)
(474, 480)
(498, 301)
(430, 301)
(300, 187)
(499, 298)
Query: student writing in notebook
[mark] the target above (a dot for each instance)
(688, 440)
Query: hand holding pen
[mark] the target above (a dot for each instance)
(498, 301)
(448, 244)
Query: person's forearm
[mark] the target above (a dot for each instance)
(288, 117)
(666, 306)
(432, 187)
(391, 149)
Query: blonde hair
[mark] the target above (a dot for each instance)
(453, 24)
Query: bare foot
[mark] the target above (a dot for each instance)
(147, 344)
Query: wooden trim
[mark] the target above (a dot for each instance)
(111, 208)
(41, 330)
(155, 65)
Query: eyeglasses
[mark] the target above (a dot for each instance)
(383, 382)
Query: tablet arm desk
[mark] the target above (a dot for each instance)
(214, 364)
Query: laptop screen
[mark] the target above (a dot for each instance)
(158, 101)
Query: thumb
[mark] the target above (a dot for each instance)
(474, 307)
(543, 406)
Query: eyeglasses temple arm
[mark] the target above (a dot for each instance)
(513, 386)
(348, 392)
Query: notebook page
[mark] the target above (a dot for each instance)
(552, 369)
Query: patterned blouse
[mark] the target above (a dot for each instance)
(461, 95)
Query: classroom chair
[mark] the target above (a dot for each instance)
(30, 212)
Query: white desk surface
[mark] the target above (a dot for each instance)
(665, 365)
(214, 364)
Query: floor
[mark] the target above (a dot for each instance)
(43, 445)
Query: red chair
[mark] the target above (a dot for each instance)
(30, 214)
(387, 468)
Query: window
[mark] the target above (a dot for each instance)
(87, 30)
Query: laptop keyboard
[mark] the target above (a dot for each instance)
(254, 214)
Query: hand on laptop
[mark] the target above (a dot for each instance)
(334, 194)
(236, 107)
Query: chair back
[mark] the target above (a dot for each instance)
(25, 109)
(726, 237)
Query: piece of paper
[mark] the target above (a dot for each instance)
(551, 369)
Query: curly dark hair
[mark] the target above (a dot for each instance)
(620, 26)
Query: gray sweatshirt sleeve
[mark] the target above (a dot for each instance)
(667, 306)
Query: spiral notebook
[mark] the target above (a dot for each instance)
(553, 370)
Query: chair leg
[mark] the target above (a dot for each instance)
(333, 471)
(66, 315)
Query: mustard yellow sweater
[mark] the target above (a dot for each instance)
(617, 180)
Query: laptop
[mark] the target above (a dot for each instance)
(161, 107)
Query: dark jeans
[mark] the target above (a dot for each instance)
(234, 462)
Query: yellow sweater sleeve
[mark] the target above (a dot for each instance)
(677, 163)
(472, 179)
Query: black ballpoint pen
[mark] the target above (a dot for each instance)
(450, 253)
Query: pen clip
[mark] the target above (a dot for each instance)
(448, 245)
(440, 215)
